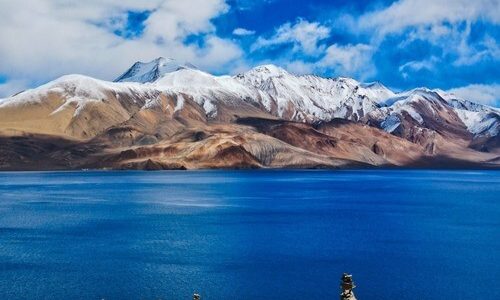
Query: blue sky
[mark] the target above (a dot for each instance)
(452, 45)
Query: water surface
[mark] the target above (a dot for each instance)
(249, 234)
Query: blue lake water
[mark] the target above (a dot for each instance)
(249, 234)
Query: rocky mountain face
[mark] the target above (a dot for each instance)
(169, 115)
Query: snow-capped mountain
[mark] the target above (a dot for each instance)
(209, 91)
(154, 102)
(480, 119)
(311, 98)
(436, 110)
(305, 98)
(299, 98)
(74, 105)
(151, 71)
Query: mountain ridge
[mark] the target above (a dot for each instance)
(152, 104)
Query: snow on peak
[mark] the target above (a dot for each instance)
(271, 70)
(348, 81)
(309, 97)
(263, 73)
(187, 78)
(480, 119)
(151, 71)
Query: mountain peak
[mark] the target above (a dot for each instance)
(150, 71)
(268, 70)
(261, 74)
(373, 85)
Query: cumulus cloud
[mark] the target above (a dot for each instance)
(303, 35)
(299, 67)
(414, 13)
(425, 32)
(442, 23)
(481, 93)
(455, 41)
(243, 31)
(176, 19)
(454, 31)
(48, 38)
(311, 52)
(349, 60)
(471, 53)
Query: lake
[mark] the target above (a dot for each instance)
(403, 234)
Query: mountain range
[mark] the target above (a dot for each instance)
(167, 114)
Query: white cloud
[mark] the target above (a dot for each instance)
(176, 19)
(469, 54)
(349, 60)
(481, 93)
(303, 35)
(299, 67)
(243, 31)
(311, 53)
(418, 65)
(454, 41)
(413, 13)
(445, 24)
(217, 52)
(43, 39)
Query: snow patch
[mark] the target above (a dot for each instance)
(180, 103)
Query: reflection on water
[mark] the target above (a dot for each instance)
(249, 234)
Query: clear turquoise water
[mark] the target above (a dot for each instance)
(249, 234)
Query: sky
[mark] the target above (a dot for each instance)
(448, 44)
